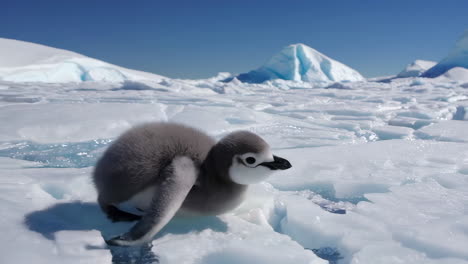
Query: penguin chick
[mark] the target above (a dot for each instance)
(165, 168)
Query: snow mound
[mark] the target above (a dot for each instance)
(457, 74)
(416, 68)
(29, 62)
(299, 62)
(458, 57)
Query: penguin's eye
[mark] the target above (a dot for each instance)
(250, 160)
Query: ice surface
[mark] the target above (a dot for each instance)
(380, 170)
(299, 62)
(416, 68)
(399, 209)
(458, 57)
(392, 132)
(73, 122)
(452, 131)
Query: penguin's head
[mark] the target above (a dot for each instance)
(254, 167)
(247, 158)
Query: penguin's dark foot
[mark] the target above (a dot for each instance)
(123, 240)
(117, 215)
(116, 241)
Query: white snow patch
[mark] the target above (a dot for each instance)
(74, 122)
(457, 74)
(452, 131)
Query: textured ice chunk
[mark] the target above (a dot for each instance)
(104, 74)
(421, 219)
(299, 62)
(352, 172)
(243, 242)
(392, 132)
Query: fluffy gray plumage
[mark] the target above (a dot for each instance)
(135, 160)
(189, 170)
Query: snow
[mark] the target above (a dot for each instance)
(392, 132)
(458, 57)
(73, 122)
(300, 62)
(416, 68)
(380, 170)
(29, 62)
(457, 74)
(451, 131)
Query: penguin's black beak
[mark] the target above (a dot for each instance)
(277, 164)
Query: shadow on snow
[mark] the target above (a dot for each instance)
(80, 216)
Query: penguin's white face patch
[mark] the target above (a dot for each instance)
(245, 168)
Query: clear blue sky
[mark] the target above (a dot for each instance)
(197, 39)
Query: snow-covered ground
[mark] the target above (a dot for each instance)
(380, 171)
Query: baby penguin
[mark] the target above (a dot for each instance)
(165, 168)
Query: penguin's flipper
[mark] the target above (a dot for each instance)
(175, 183)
